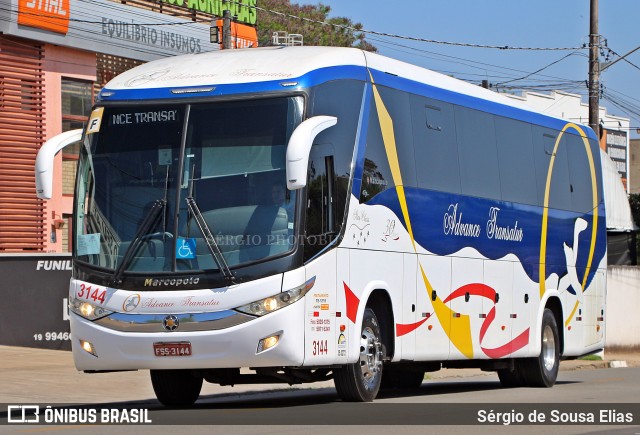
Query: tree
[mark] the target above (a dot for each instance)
(313, 33)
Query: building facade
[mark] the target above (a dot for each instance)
(54, 56)
(634, 165)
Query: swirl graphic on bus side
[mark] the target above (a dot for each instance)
(545, 213)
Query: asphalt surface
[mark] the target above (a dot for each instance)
(48, 376)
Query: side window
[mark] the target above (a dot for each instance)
(515, 154)
(321, 225)
(544, 140)
(579, 174)
(342, 99)
(476, 135)
(376, 176)
(436, 149)
(393, 115)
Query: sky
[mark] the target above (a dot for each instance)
(516, 23)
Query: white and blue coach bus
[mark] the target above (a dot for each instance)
(314, 213)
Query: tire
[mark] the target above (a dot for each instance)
(176, 388)
(542, 371)
(360, 382)
(399, 377)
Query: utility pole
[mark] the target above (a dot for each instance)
(226, 28)
(594, 70)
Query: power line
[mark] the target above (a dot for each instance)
(408, 38)
(539, 70)
(623, 58)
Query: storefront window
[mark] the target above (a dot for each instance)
(77, 99)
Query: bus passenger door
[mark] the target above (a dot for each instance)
(433, 287)
(323, 337)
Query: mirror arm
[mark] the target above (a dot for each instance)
(299, 148)
(44, 160)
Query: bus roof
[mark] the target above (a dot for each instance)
(275, 65)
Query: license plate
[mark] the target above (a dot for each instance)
(181, 348)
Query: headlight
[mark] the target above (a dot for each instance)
(87, 310)
(275, 302)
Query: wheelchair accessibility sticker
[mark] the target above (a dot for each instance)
(185, 249)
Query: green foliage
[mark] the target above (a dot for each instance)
(313, 33)
(591, 358)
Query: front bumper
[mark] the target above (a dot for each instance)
(229, 347)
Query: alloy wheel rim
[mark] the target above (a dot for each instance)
(548, 348)
(370, 357)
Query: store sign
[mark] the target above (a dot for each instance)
(106, 27)
(52, 15)
(243, 11)
(242, 36)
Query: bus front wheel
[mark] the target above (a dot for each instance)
(360, 382)
(176, 387)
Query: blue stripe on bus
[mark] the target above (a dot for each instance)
(428, 209)
(323, 75)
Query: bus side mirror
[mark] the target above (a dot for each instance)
(44, 160)
(299, 148)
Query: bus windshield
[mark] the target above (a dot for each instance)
(173, 187)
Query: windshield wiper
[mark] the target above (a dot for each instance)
(210, 239)
(143, 229)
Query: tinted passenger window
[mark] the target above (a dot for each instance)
(544, 141)
(476, 135)
(342, 99)
(515, 157)
(377, 175)
(579, 174)
(436, 150)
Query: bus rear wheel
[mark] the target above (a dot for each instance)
(542, 371)
(176, 387)
(360, 382)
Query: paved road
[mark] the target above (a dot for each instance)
(36, 376)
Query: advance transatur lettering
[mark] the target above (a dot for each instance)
(243, 11)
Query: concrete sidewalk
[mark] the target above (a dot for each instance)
(49, 376)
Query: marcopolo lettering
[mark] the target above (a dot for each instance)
(175, 282)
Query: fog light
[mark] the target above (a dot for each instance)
(268, 343)
(88, 347)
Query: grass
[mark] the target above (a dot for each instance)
(591, 358)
